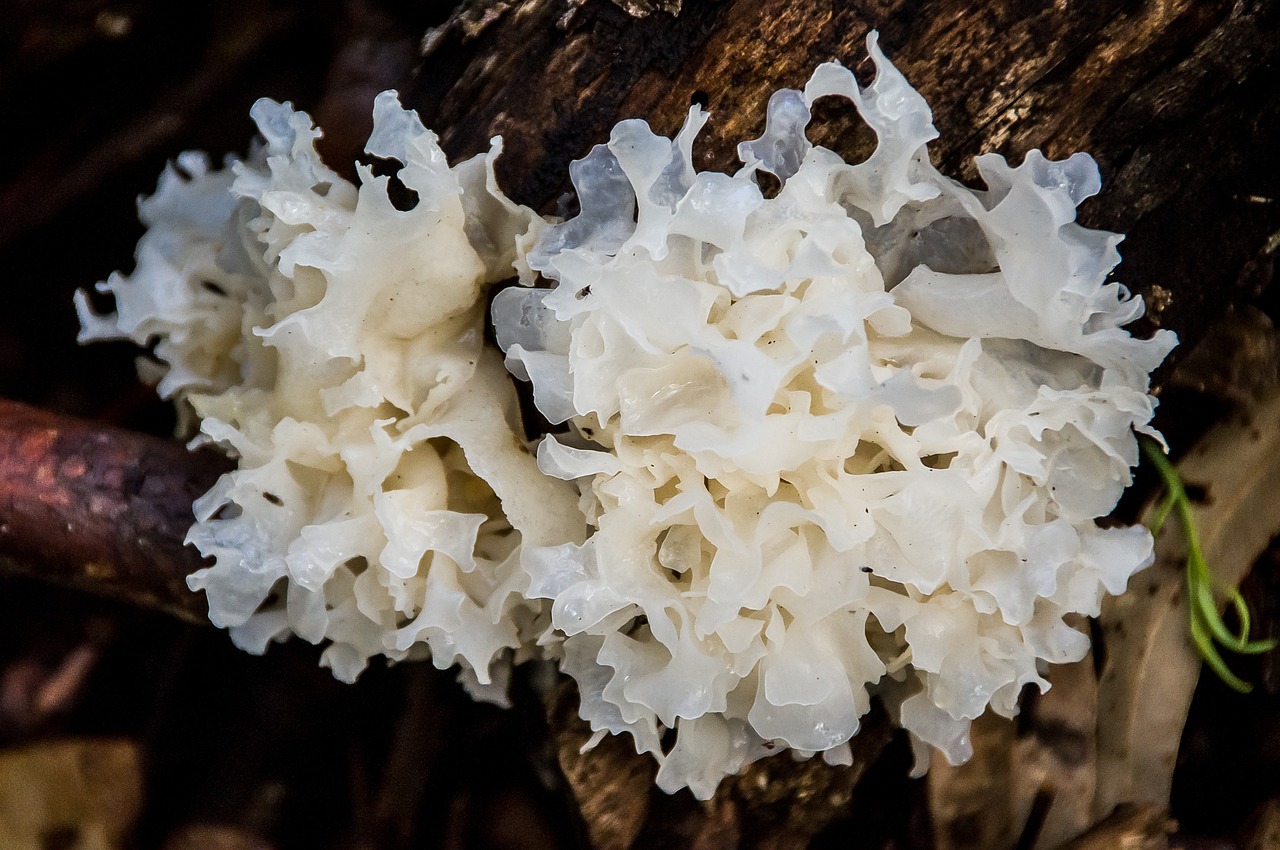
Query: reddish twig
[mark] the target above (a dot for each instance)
(100, 508)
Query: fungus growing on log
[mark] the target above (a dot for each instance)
(845, 440)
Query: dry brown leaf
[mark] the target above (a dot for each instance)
(1029, 783)
(1055, 762)
(1152, 666)
(1128, 828)
(83, 793)
(1266, 827)
(970, 803)
(205, 836)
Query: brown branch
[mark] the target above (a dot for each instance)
(100, 508)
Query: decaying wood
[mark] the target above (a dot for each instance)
(1055, 758)
(100, 508)
(1236, 363)
(1152, 666)
(1173, 97)
(776, 803)
(611, 788)
(1154, 90)
(971, 803)
(1161, 92)
(782, 803)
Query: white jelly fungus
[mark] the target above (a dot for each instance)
(334, 344)
(843, 441)
(851, 439)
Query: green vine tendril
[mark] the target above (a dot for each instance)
(1207, 627)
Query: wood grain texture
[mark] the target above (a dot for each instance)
(1174, 98)
(1136, 827)
(777, 803)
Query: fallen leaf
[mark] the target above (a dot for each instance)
(1152, 665)
(86, 793)
(1130, 827)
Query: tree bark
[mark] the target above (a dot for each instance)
(1174, 98)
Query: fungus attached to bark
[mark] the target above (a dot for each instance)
(848, 440)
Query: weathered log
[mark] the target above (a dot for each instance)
(773, 804)
(100, 508)
(1174, 98)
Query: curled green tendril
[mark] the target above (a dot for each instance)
(1207, 628)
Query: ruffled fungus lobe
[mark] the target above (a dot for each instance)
(850, 440)
(847, 441)
(334, 344)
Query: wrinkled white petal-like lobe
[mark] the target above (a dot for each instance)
(333, 342)
(865, 425)
(845, 439)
